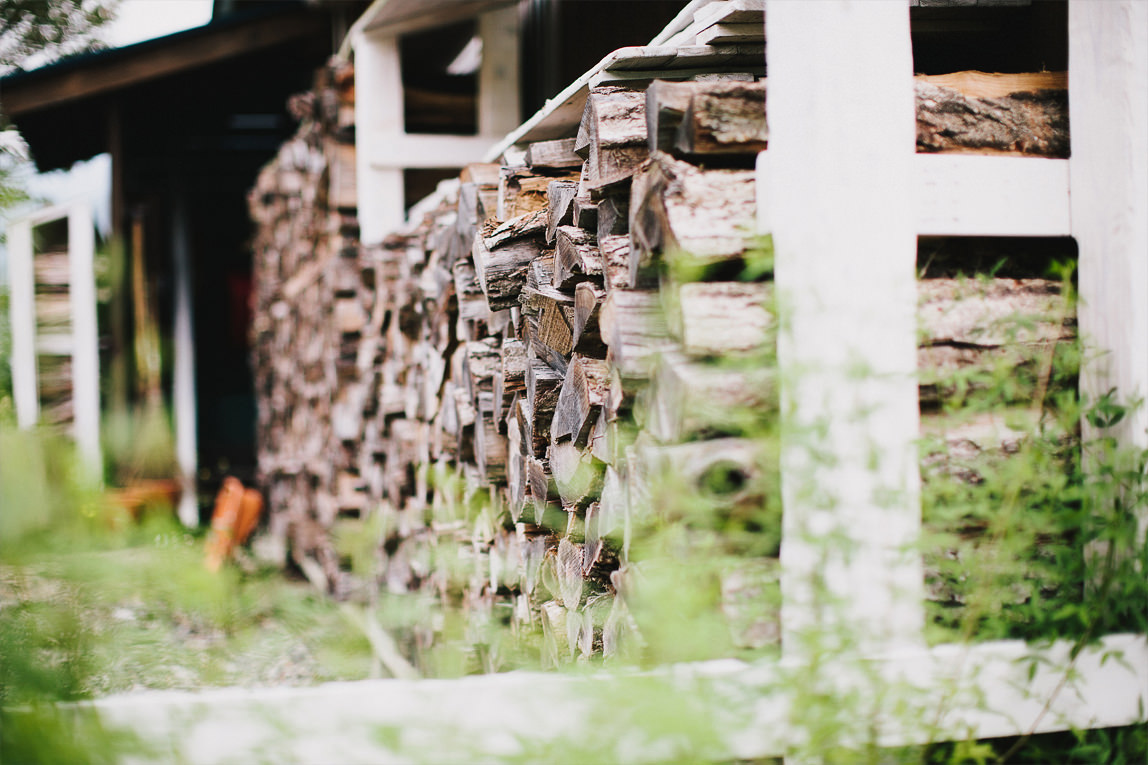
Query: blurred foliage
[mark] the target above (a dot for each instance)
(45, 30)
(94, 601)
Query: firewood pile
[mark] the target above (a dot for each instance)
(558, 348)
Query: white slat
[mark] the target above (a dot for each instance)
(85, 337)
(22, 311)
(971, 195)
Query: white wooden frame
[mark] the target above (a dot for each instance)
(384, 149)
(83, 342)
(844, 211)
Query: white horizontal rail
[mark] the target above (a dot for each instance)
(412, 150)
(952, 692)
(971, 195)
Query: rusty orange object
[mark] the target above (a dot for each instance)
(221, 538)
(250, 508)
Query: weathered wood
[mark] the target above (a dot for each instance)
(615, 252)
(613, 216)
(521, 192)
(720, 318)
(503, 253)
(558, 153)
(580, 400)
(612, 137)
(543, 490)
(677, 208)
(688, 399)
(633, 325)
(549, 316)
(1033, 119)
(992, 312)
(543, 384)
(510, 381)
(560, 206)
(724, 118)
(577, 474)
(576, 257)
(587, 332)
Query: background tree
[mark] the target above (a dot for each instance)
(35, 32)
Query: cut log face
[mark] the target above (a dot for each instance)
(560, 206)
(721, 318)
(554, 154)
(689, 399)
(612, 136)
(633, 325)
(576, 257)
(583, 394)
(724, 118)
(577, 475)
(678, 208)
(502, 255)
(543, 384)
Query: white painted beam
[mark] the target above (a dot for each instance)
(498, 78)
(1108, 106)
(378, 114)
(85, 337)
(184, 404)
(22, 314)
(971, 195)
(736, 710)
(388, 150)
(841, 78)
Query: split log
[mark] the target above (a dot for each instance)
(615, 252)
(576, 257)
(587, 333)
(543, 384)
(690, 399)
(560, 206)
(580, 400)
(549, 317)
(993, 312)
(521, 192)
(678, 209)
(724, 118)
(556, 154)
(543, 490)
(633, 326)
(490, 447)
(577, 474)
(510, 381)
(612, 137)
(502, 255)
(722, 318)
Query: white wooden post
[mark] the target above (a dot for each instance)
(498, 107)
(22, 313)
(85, 337)
(378, 119)
(183, 376)
(838, 196)
(1108, 171)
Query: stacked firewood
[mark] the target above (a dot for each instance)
(312, 291)
(557, 349)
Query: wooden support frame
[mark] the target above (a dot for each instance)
(384, 148)
(846, 279)
(83, 342)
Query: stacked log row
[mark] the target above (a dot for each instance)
(503, 391)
